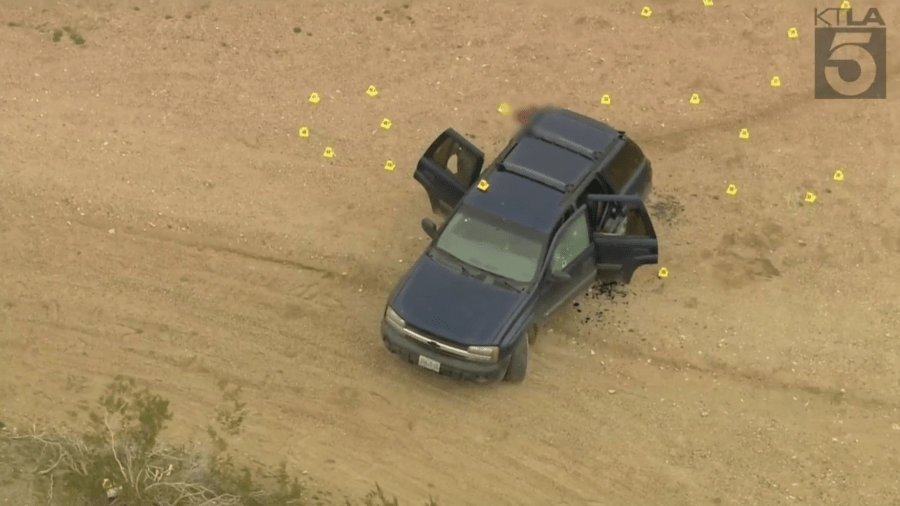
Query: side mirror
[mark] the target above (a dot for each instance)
(560, 276)
(429, 227)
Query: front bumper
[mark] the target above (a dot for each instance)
(409, 350)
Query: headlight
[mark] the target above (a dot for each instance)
(485, 353)
(393, 318)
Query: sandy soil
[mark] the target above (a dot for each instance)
(162, 218)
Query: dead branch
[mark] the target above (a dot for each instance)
(64, 450)
(50, 491)
(112, 440)
(147, 474)
(195, 492)
(58, 460)
(77, 466)
(129, 466)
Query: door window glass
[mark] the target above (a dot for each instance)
(574, 240)
(623, 167)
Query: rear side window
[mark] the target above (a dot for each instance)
(625, 164)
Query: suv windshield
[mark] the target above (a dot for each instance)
(492, 244)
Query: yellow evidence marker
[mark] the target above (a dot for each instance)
(845, 5)
(707, 3)
(839, 175)
(810, 197)
(329, 153)
(314, 98)
(386, 124)
(793, 33)
(483, 185)
(372, 91)
(605, 100)
(663, 272)
(303, 132)
(775, 82)
(646, 12)
(744, 134)
(731, 190)
(390, 165)
(695, 99)
(504, 108)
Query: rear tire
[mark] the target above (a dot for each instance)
(518, 364)
(532, 335)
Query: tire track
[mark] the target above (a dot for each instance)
(356, 272)
(755, 378)
(680, 139)
(191, 241)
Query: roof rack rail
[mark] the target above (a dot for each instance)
(537, 177)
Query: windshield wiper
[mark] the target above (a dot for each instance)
(470, 271)
(464, 268)
(505, 282)
(478, 273)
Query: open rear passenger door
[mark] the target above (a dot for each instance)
(623, 236)
(448, 168)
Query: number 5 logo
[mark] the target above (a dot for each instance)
(850, 50)
(851, 47)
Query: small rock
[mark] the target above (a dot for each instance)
(895, 426)
(704, 414)
(611, 392)
(112, 231)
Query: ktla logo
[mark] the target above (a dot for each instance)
(851, 54)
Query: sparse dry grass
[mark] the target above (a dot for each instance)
(119, 460)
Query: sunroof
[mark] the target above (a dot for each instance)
(583, 135)
(548, 159)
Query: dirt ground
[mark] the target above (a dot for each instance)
(162, 218)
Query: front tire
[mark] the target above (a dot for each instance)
(518, 364)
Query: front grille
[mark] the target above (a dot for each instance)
(436, 344)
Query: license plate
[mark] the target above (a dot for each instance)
(427, 363)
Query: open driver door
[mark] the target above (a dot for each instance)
(449, 167)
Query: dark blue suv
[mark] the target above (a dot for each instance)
(562, 206)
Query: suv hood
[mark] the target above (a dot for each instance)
(454, 306)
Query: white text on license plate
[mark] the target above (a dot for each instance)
(427, 363)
